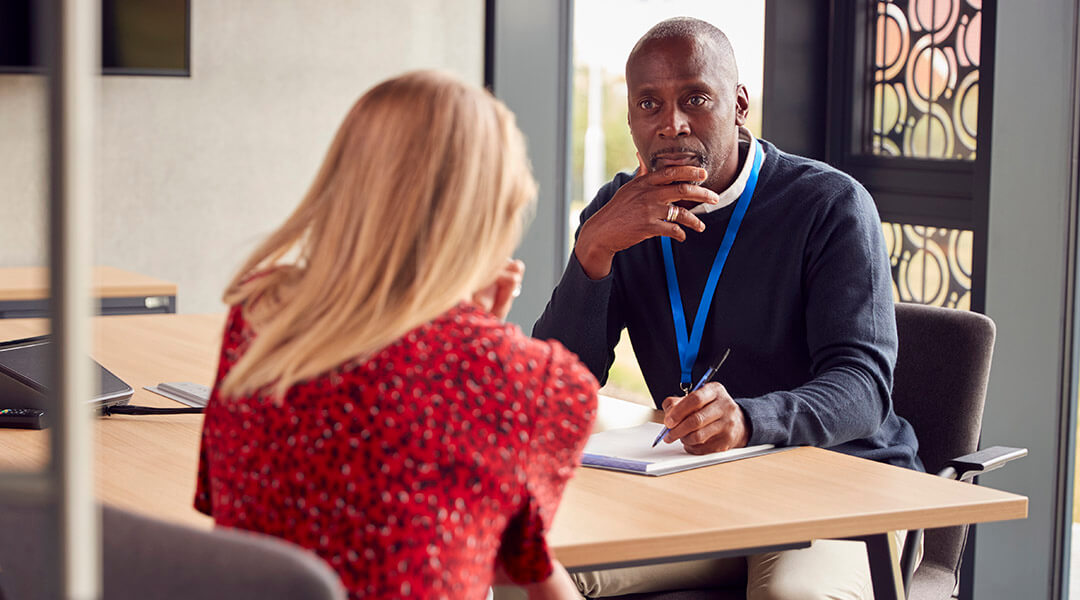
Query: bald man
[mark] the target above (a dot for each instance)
(785, 258)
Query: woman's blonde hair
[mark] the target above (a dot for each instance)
(420, 201)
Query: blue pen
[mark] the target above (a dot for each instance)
(704, 379)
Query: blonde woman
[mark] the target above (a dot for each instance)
(370, 404)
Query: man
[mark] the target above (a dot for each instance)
(786, 258)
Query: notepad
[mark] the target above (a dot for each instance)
(629, 449)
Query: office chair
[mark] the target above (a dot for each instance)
(149, 559)
(939, 386)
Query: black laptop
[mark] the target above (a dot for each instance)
(23, 376)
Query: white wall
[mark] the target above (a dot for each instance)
(194, 171)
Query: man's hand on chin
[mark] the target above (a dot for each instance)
(706, 421)
(646, 206)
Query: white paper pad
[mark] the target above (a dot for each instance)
(630, 449)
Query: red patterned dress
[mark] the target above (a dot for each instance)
(413, 472)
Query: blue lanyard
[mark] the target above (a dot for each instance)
(688, 347)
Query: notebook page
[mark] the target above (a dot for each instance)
(630, 449)
(634, 443)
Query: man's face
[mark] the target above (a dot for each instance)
(685, 107)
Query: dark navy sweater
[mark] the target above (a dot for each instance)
(804, 303)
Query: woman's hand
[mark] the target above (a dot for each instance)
(498, 296)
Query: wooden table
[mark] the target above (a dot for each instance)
(148, 464)
(24, 292)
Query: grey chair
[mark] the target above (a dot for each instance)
(939, 386)
(148, 559)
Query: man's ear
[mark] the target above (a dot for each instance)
(742, 105)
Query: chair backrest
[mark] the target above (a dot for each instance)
(149, 559)
(939, 386)
(24, 572)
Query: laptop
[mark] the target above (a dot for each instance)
(23, 377)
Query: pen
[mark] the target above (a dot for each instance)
(704, 379)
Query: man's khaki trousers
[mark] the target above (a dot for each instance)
(828, 569)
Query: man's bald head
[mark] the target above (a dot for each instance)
(685, 104)
(691, 29)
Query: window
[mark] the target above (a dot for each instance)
(930, 265)
(907, 108)
(924, 79)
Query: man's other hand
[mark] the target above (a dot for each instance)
(639, 211)
(707, 420)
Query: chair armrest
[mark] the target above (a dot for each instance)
(965, 467)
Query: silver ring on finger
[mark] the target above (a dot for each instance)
(672, 213)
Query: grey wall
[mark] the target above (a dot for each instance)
(531, 75)
(795, 83)
(194, 171)
(1032, 208)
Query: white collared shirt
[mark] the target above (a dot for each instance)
(732, 193)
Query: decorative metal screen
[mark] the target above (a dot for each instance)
(924, 78)
(930, 265)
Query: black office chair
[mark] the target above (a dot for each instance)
(939, 386)
(147, 559)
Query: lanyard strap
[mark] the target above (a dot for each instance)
(688, 346)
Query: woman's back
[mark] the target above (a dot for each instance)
(370, 405)
(411, 471)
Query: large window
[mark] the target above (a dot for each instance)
(924, 79)
(907, 110)
(604, 33)
(922, 88)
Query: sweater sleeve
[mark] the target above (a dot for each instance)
(851, 334)
(562, 418)
(584, 314)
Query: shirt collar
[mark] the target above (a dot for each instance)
(732, 193)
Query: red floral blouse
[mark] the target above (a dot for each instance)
(411, 473)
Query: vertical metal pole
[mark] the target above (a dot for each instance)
(73, 50)
(930, 83)
(489, 45)
(565, 71)
(878, 14)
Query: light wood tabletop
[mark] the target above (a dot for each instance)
(148, 464)
(145, 464)
(793, 496)
(32, 283)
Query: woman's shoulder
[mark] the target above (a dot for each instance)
(484, 336)
(560, 389)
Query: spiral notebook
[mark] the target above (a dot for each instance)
(630, 450)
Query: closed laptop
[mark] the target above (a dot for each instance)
(24, 374)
